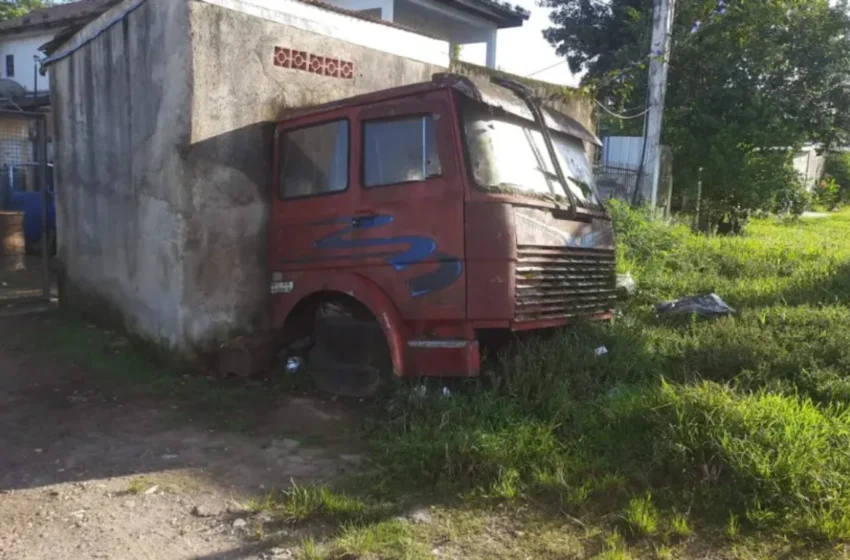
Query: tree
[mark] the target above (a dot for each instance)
(746, 77)
(16, 8)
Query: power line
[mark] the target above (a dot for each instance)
(619, 116)
(547, 68)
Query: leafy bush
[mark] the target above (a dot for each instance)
(828, 193)
(790, 199)
(640, 237)
(838, 166)
(743, 183)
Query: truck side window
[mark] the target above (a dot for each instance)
(400, 151)
(314, 160)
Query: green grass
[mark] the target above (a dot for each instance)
(679, 526)
(139, 485)
(301, 503)
(641, 516)
(614, 549)
(744, 417)
(384, 539)
(733, 527)
(742, 422)
(309, 550)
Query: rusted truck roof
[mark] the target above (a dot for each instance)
(480, 91)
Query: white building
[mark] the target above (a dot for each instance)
(460, 22)
(21, 39)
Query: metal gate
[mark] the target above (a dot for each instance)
(27, 214)
(618, 182)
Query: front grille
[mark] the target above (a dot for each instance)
(562, 282)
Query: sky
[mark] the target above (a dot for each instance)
(523, 50)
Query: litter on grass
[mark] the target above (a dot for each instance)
(626, 285)
(706, 306)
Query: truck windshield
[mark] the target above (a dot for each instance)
(508, 153)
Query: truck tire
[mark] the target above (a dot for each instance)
(350, 356)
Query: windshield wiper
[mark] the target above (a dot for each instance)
(527, 96)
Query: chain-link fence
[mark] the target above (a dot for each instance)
(618, 182)
(27, 215)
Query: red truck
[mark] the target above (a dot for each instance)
(407, 222)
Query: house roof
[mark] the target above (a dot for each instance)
(66, 41)
(61, 15)
(364, 16)
(503, 13)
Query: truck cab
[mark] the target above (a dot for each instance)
(407, 221)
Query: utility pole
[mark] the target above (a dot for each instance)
(662, 27)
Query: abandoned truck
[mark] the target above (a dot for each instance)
(408, 221)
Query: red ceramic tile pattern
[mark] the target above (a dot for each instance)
(332, 67)
(317, 64)
(346, 70)
(325, 66)
(300, 60)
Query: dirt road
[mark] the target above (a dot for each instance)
(91, 469)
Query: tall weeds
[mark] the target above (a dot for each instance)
(744, 417)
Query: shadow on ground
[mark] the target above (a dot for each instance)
(61, 421)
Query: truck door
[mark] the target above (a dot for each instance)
(313, 196)
(410, 207)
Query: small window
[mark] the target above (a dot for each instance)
(10, 66)
(314, 160)
(400, 151)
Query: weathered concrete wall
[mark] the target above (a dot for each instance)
(163, 116)
(810, 165)
(238, 92)
(121, 109)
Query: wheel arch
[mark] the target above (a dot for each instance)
(294, 310)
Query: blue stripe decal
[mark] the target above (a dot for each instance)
(419, 249)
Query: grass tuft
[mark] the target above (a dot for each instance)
(615, 548)
(139, 485)
(303, 503)
(386, 539)
(309, 550)
(679, 526)
(641, 516)
(733, 528)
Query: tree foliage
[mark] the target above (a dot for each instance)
(745, 76)
(10, 9)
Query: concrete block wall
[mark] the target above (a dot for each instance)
(122, 125)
